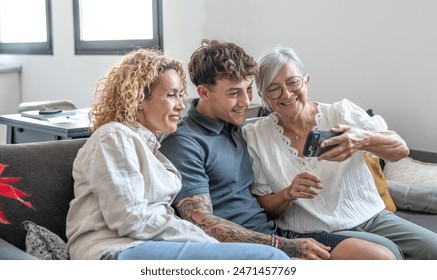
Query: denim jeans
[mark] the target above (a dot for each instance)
(162, 250)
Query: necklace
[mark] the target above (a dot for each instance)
(308, 122)
(297, 138)
(291, 135)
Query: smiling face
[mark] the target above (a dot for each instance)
(162, 110)
(289, 104)
(227, 101)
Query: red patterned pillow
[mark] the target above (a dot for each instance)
(7, 190)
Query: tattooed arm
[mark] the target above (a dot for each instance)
(198, 209)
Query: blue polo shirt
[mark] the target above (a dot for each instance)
(212, 158)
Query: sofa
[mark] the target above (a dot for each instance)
(45, 171)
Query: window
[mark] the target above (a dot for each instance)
(25, 27)
(116, 26)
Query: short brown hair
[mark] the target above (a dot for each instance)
(217, 60)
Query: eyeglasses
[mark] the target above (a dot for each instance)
(293, 84)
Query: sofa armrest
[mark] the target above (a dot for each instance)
(10, 252)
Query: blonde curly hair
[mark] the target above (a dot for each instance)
(118, 93)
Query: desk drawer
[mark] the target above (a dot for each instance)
(21, 135)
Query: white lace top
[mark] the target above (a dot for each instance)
(349, 196)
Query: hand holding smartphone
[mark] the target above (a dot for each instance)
(315, 137)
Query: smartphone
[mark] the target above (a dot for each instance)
(314, 138)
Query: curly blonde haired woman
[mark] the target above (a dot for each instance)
(124, 186)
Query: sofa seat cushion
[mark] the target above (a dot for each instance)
(426, 220)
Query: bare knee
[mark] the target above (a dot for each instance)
(358, 249)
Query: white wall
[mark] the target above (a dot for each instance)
(9, 83)
(380, 54)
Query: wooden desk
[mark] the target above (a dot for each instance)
(21, 129)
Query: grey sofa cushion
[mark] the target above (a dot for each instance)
(45, 169)
(414, 197)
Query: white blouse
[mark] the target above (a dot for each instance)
(349, 196)
(123, 189)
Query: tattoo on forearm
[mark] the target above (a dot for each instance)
(198, 209)
(189, 206)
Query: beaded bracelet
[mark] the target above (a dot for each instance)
(273, 239)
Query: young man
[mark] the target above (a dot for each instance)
(209, 151)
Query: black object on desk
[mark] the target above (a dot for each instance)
(21, 129)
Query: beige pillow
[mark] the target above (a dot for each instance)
(381, 184)
(408, 170)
